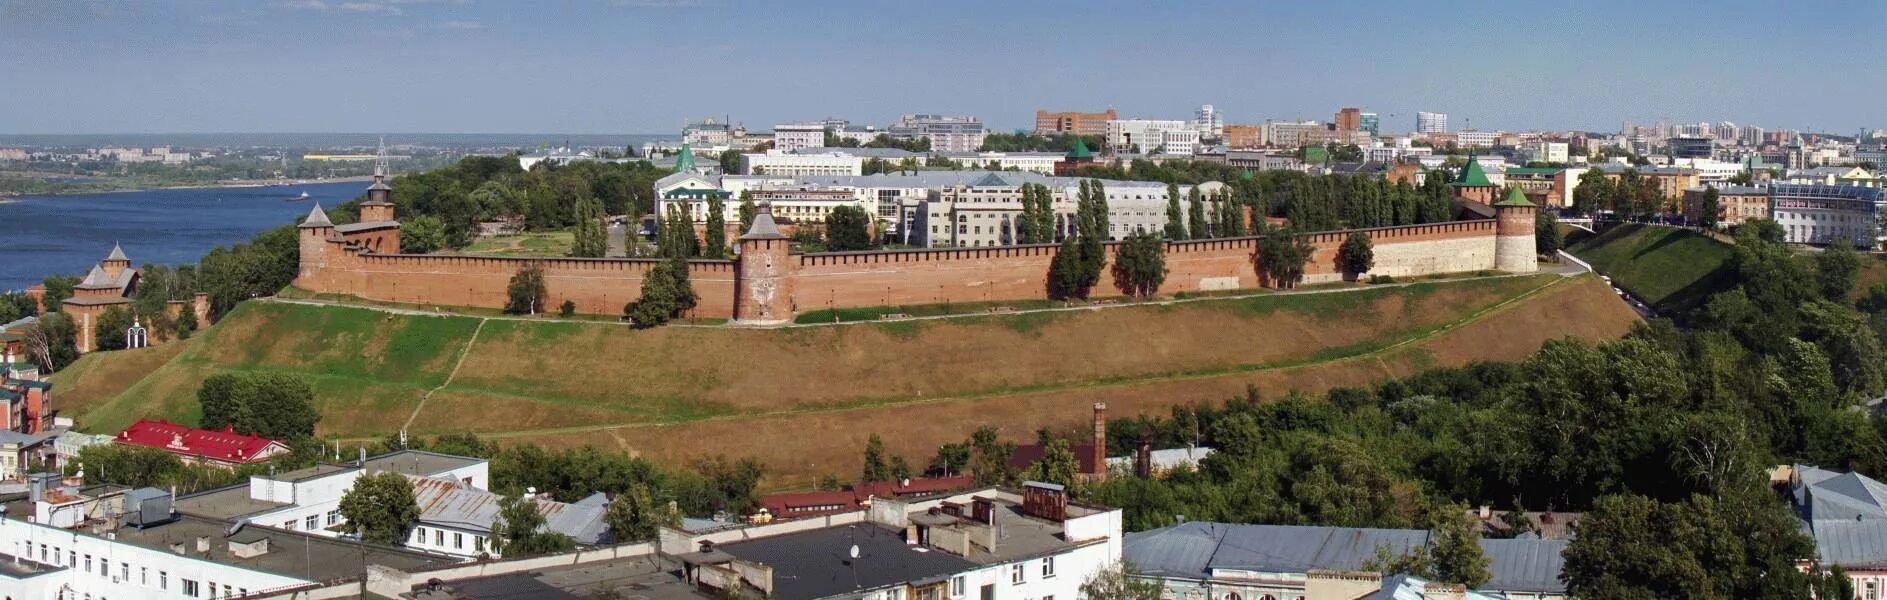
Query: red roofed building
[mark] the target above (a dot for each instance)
(795, 505)
(224, 448)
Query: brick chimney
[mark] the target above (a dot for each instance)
(1100, 441)
(1143, 458)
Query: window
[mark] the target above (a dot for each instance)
(419, 535)
(210, 589)
(124, 572)
(163, 580)
(458, 540)
(956, 586)
(289, 525)
(1048, 568)
(478, 543)
(311, 523)
(334, 516)
(438, 537)
(144, 575)
(189, 587)
(1015, 573)
(88, 563)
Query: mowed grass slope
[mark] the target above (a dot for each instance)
(1670, 268)
(368, 368)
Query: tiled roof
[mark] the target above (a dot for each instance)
(225, 445)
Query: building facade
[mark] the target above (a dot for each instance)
(1078, 123)
(1150, 136)
(946, 133)
(1431, 122)
(1821, 214)
(792, 164)
(1209, 122)
(1735, 204)
(789, 137)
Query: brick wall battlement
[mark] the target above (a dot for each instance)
(790, 284)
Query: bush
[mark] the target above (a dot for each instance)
(1381, 279)
(568, 308)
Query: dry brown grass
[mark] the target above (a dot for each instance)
(799, 448)
(99, 376)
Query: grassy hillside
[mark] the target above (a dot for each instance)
(1672, 269)
(570, 382)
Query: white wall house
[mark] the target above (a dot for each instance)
(780, 162)
(1152, 136)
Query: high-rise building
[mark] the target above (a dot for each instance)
(1689, 147)
(1208, 122)
(1349, 119)
(1371, 123)
(1431, 122)
(1079, 123)
(947, 134)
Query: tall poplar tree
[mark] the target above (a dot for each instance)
(717, 228)
(1175, 221)
(1196, 215)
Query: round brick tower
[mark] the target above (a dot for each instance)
(1514, 249)
(763, 272)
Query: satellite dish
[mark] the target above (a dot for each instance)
(854, 550)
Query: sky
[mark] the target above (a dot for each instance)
(648, 66)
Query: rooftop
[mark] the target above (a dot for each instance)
(816, 564)
(641, 578)
(290, 554)
(1193, 550)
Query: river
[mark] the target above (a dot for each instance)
(48, 235)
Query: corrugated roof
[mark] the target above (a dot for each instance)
(1525, 565)
(1192, 550)
(455, 504)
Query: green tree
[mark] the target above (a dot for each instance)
(1175, 219)
(1281, 259)
(526, 294)
(591, 233)
(1231, 216)
(1356, 256)
(1593, 192)
(875, 467)
(423, 234)
(380, 508)
(1456, 549)
(271, 405)
(1196, 215)
(1064, 271)
(666, 294)
(951, 459)
(1710, 210)
(989, 457)
(52, 342)
(1547, 238)
(637, 514)
(746, 211)
(848, 229)
(900, 469)
(58, 289)
(1140, 265)
(729, 161)
(717, 228)
(520, 530)
(1058, 464)
(109, 332)
(1116, 582)
(676, 236)
(1836, 269)
(732, 482)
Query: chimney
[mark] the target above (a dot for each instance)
(1100, 441)
(203, 543)
(1143, 460)
(362, 461)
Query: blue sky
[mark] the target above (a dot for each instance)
(645, 66)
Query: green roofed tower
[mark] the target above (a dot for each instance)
(685, 160)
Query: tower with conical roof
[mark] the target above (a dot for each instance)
(379, 204)
(1077, 156)
(685, 160)
(764, 272)
(312, 238)
(115, 263)
(1515, 245)
(1473, 184)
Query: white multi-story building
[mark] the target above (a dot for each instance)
(1151, 136)
(1822, 214)
(1710, 171)
(1543, 151)
(790, 137)
(946, 133)
(1431, 122)
(781, 162)
(1477, 139)
(1034, 162)
(1209, 122)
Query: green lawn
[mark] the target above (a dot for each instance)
(1672, 269)
(542, 244)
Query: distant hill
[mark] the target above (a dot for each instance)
(1671, 269)
(804, 399)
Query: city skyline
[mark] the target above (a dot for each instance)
(648, 66)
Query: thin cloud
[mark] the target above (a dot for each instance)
(657, 3)
(462, 25)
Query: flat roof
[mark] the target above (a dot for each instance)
(817, 564)
(226, 503)
(290, 554)
(642, 578)
(419, 463)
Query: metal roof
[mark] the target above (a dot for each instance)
(1525, 565)
(317, 218)
(454, 504)
(1193, 550)
(817, 564)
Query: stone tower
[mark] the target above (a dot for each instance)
(115, 263)
(764, 272)
(379, 204)
(1514, 249)
(1473, 183)
(313, 235)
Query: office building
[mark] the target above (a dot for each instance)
(1821, 214)
(1370, 122)
(1244, 137)
(1431, 122)
(946, 133)
(1349, 119)
(1689, 147)
(795, 136)
(1208, 121)
(1149, 136)
(1079, 123)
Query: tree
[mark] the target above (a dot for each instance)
(1456, 548)
(58, 289)
(1231, 219)
(717, 228)
(1037, 224)
(676, 236)
(1356, 256)
(848, 229)
(747, 210)
(423, 234)
(1058, 464)
(666, 294)
(1281, 259)
(271, 405)
(52, 342)
(109, 332)
(1547, 238)
(1710, 210)
(989, 457)
(951, 459)
(1140, 265)
(636, 514)
(1064, 271)
(1175, 220)
(1593, 191)
(1836, 269)
(380, 508)
(519, 530)
(1116, 582)
(526, 294)
(875, 468)
(1196, 215)
(591, 233)
(732, 482)
(729, 161)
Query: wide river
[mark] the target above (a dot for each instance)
(47, 235)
